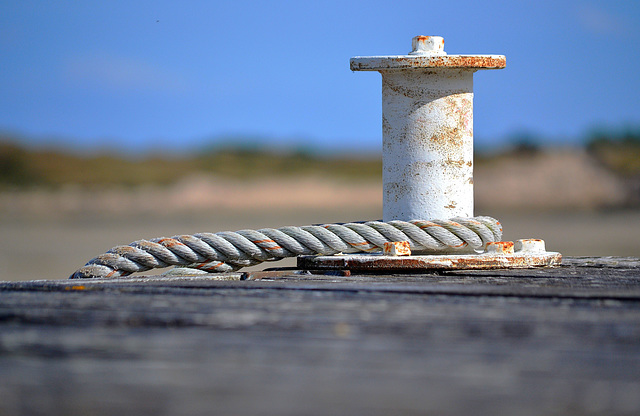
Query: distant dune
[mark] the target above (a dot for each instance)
(561, 179)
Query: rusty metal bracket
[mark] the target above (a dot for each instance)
(529, 253)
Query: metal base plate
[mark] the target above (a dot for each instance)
(373, 262)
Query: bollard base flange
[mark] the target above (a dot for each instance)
(372, 262)
(498, 256)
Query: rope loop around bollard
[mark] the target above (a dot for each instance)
(230, 251)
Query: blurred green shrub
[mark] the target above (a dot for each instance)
(15, 168)
(21, 167)
(618, 150)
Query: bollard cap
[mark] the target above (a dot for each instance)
(427, 52)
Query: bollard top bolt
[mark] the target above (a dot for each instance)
(427, 45)
(428, 52)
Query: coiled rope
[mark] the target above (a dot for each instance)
(230, 251)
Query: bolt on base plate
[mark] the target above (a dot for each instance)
(500, 255)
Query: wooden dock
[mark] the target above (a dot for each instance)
(557, 341)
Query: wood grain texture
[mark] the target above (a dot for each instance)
(562, 340)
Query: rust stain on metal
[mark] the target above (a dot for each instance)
(500, 247)
(456, 163)
(469, 62)
(397, 248)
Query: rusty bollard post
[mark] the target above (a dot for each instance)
(427, 129)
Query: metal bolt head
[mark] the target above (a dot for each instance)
(530, 245)
(500, 247)
(397, 248)
(427, 45)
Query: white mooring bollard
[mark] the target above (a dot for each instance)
(427, 124)
(427, 129)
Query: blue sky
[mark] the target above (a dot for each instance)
(169, 75)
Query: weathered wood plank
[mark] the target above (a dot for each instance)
(556, 341)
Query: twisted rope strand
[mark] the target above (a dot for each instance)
(229, 251)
